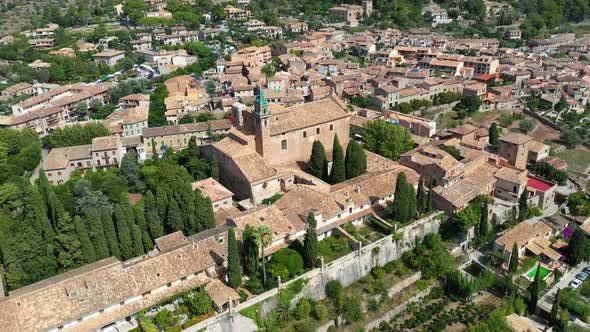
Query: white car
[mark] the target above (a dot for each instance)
(574, 284)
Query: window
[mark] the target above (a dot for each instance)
(49, 174)
(72, 164)
(113, 153)
(317, 131)
(58, 173)
(284, 144)
(331, 127)
(304, 134)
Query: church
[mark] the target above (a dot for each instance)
(268, 138)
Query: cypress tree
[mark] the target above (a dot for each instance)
(428, 206)
(137, 238)
(205, 217)
(67, 245)
(355, 161)
(513, 264)
(214, 169)
(555, 308)
(483, 220)
(148, 243)
(411, 197)
(152, 217)
(110, 233)
(338, 173)
(310, 243)
(317, 161)
(139, 218)
(123, 232)
(175, 222)
(55, 208)
(421, 196)
(88, 251)
(494, 134)
(578, 248)
(35, 210)
(192, 148)
(523, 206)
(534, 289)
(154, 151)
(400, 203)
(96, 233)
(234, 276)
(162, 203)
(250, 243)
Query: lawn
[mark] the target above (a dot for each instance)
(333, 247)
(544, 272)
(576, 159)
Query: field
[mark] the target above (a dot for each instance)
(577, 159)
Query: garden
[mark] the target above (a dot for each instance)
(369, 232)
(333, 247)
(177, 313)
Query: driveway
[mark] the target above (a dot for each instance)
(547, 300)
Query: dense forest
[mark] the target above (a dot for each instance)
(46, 230)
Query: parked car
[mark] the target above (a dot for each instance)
(587, 269)
(582, 276)
(574, 284)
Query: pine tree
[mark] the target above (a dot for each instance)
(175, 222)
(123, 232)
(310, 242)
(234, 276)
(250, 244)
(137, 239)
(110, 233)
(88, 251)
(338, 173)
(152, 217)
(555, 308)
(214, 169)
(523, 206)
(67, 245)
(355, 161)
(494, 134)
(534, 289)
(513, 264)
(421, 196)
(483, 220)
(96, 233)
(317, 161)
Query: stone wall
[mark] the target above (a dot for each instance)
(347, 269)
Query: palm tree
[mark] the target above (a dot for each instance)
(265, 236)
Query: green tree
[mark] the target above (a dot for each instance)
(175, 222)
(265, 238)
(250, 244)
(554, 315)
(88, 250)
(338, 173)
(153, 220)
(578, 248)
(130, 171)
(110, 233)
(355, 161)
(534, 290)
(351, 308)
(205, 217)
(483, 226)
(214, 169)
(96, 233)
(387, 139)
(334, 289)
(317, 161)
(137, 239)
(494, 134)
(54, 207)
(67, 245)
(310, 243)
(523, 206)
(421, 196)
(303, 309)
(513, 264)
(404, 202)
(234, 276)
(428, 206)
(123, 232)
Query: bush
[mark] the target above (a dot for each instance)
(181, 310)
(243, 295)
(288, 258)
(165, 318)
(306, 326)
(320, 311)
(351, 309)
(373, 305)
(334, 289)
(303, 309)
(254, 285)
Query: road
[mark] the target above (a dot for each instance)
(547, 300)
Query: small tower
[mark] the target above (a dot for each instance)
(261, 122)
(368, 7)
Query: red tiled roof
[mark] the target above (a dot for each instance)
(538, 184)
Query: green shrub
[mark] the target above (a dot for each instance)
(378, 272)
(243, 295)
(147, 326)
(350, 307)
(334, 289)
(174, 329)
(254, 285)
(165, 318)
(320, 311)
(303, 309)
(373, 305)
(181, 310)
(288, 258)
(306, 326)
